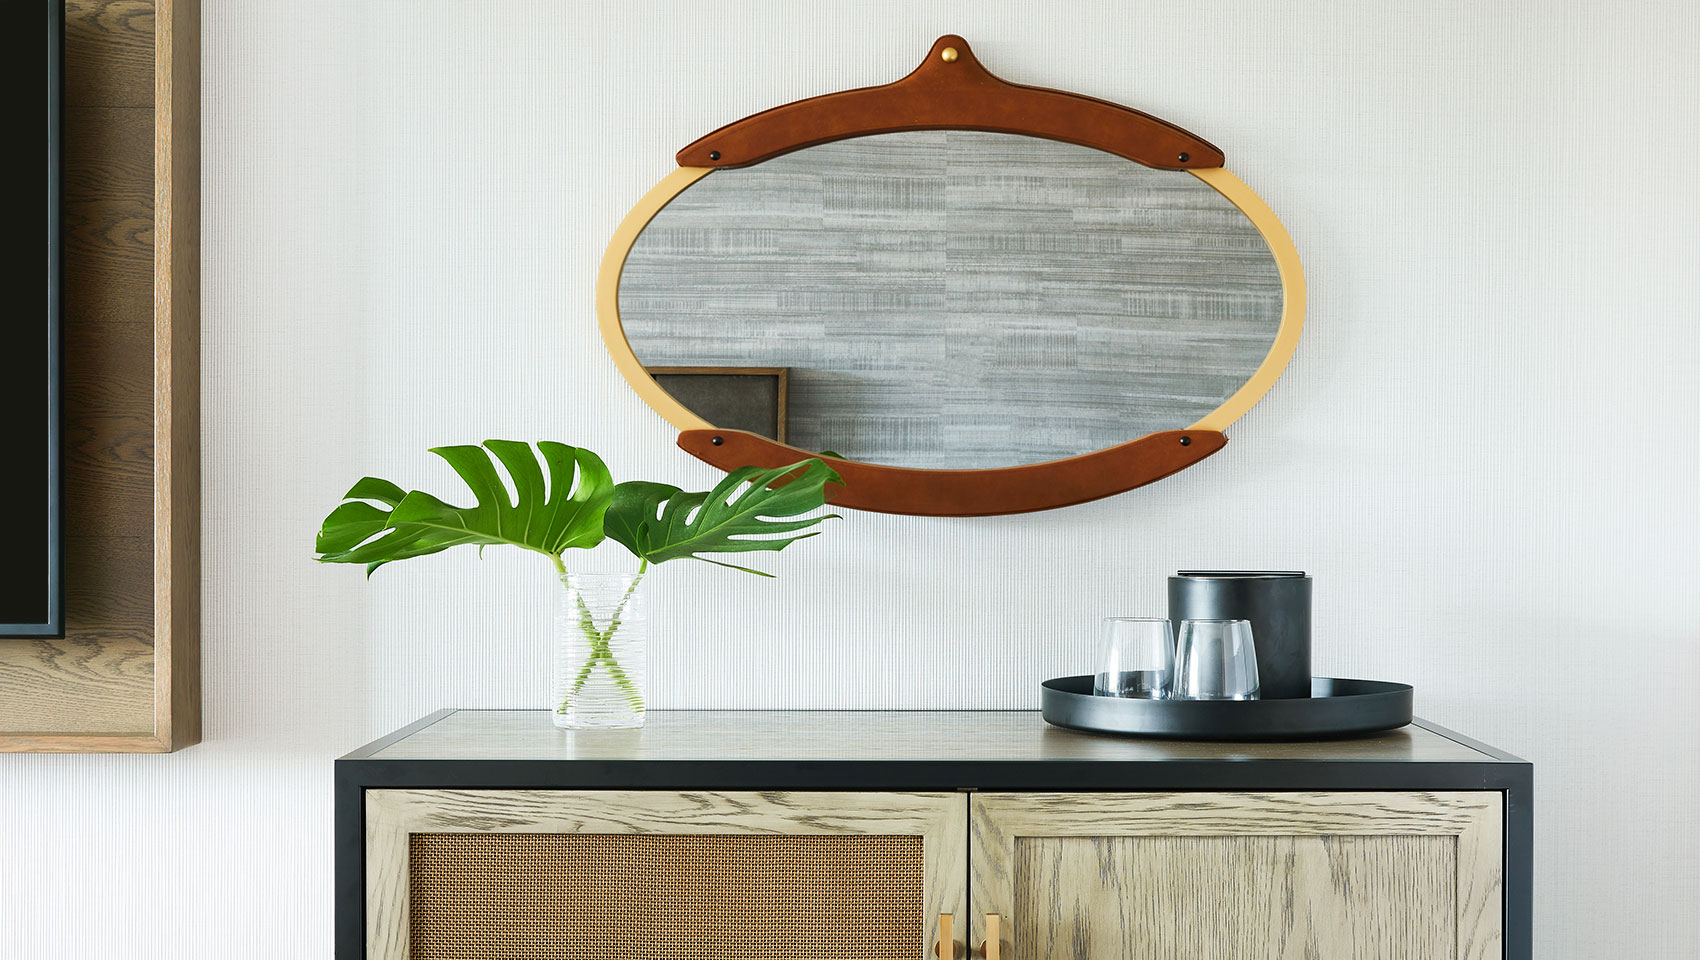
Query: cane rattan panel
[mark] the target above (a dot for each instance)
(648, 897)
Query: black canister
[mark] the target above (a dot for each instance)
(1278, 605)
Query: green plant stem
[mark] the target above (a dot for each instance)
(601, 650)
(600, 643)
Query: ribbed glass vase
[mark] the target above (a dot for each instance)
(600, 652)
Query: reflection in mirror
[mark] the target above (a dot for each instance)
(731, 398)
(956, 299)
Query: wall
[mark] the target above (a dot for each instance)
(1485, 449)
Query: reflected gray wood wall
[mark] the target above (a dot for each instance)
(955, 299)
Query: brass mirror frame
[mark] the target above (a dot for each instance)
(950, 90)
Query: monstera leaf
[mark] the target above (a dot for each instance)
(660, 522)
(547, 519)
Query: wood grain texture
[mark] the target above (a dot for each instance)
(972, 493)
(108, 241)
(119, 299)
(177, 375)
(1222, 898)
(109, 153)
(109, 53)
(952, 90)
(109, 208)
(1310, 872)
(109, 586)
(126, 676)
(393, 815)
(784, 735)
(97, 682)
(109, 430)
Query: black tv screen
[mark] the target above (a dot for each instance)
(32, 572)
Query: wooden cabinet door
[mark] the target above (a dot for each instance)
(616, 875)
(1238, 876)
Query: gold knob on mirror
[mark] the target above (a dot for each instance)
(948, 55)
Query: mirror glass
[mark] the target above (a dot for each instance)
(951, 299)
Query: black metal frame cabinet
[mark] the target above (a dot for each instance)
(903, 751)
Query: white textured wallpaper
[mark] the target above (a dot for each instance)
(1485, 450)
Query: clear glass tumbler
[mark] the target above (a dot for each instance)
(1215, 660)
(601, 652)
(1138, 658)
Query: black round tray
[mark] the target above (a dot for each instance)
(1334, 708)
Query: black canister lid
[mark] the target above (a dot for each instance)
(1242, 574)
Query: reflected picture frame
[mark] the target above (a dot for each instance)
(752, 399)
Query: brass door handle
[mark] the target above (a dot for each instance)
(989, 947)
(945, 949)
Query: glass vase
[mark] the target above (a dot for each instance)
(600, 652)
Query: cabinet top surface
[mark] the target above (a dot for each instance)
(1002, 736)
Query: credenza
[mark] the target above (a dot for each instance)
(916, 834)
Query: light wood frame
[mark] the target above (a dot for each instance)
(128, 681)
(939, 819)
(1474, 818)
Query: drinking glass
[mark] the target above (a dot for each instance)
(1138, 658)
(1216, 661)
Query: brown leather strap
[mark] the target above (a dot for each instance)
(953, 92)
(972, 493)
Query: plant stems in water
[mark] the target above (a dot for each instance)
(601, 642)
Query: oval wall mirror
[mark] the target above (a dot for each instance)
(975, 315)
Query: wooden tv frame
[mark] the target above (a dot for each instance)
(126, 676)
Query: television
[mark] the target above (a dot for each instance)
(32, 571)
